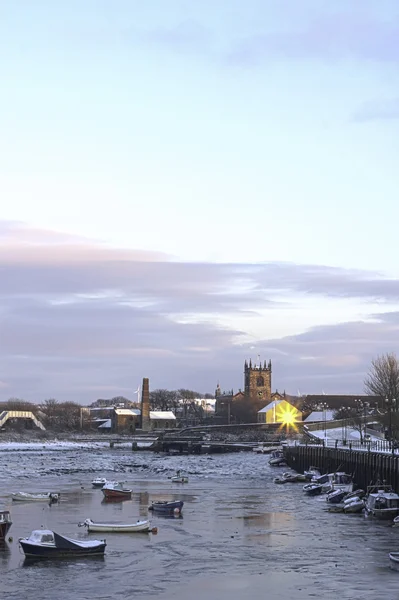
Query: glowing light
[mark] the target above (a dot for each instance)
(287, 417)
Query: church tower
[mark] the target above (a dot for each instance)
(258, 381)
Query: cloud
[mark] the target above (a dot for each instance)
(374, 110)
(79, 319)
(187, 36)
(331, 36)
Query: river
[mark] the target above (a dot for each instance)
(240, 536)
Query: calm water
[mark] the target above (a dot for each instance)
(241, 535)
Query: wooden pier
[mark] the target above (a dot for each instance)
(366, 466)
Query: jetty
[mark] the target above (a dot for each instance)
(366, 465)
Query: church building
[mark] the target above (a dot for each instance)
(243, 406)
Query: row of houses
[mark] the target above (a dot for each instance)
(112, 419)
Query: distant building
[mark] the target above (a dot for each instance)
(125, 419)
(162, 419)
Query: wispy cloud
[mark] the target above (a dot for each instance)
(76, 316)
(375, 110)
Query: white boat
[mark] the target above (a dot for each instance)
(179, 478)
(139, 526)
(353, 505)
(311, 472)
(99, 482)
(335, 481)
(382, 502)
(26, 497)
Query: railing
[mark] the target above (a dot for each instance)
(385, 446)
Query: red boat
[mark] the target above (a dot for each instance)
(5, 523)
(115, 490)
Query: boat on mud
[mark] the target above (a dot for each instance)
(115, 490)
(136, 527)
(50, 497)
(5, 523)
(43, 543)
(99, 482)
(382, 502)
(277, 459)
(167, 508)
(179, 477)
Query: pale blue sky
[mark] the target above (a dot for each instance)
(214, 131)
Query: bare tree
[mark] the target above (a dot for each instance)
(164, 399)
(383, 377)
(354, 417)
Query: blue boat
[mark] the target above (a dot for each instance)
(173, 507)
(43, 543)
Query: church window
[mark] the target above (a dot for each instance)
(260, 382)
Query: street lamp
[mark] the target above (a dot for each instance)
(324, 407)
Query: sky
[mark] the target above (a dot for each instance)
(185, 185)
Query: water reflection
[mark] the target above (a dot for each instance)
(5, 553)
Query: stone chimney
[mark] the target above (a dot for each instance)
(145, 405)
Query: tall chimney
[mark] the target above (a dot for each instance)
(145, 405)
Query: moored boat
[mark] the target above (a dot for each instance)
(313, 489)
(172, 507)
(311, 472)
(116, 490)
(99, 482)
(179, 477)
(277, 459)
(355, 504)
(43, 543)
(27, 497)
(138, 526)
(336, 496)
(5, 523)
(382, 502)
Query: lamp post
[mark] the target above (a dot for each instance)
(324, 407)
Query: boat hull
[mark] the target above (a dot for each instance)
(4, 528)
(167, 508)
(139, 527)
(383, 514)
(25, 497)
(117, 494)
(36, 551)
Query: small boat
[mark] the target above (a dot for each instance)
(355, 504)
(382, 502)
(173, 507)
(43, 543)
(139, 526)
(50, 497)
(179, 478)
(5, 523)
(288, 478)
(277, 459)
(99, 482)
(115, 490)
(336, 496)
(394, 560)
(311, 472)
(313, 489)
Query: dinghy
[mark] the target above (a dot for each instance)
(167, 508)
(179, 478)
(99, 482)
(26, 497)
(43, 543)
(138, 526)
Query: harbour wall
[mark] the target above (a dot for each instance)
(366, 467)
